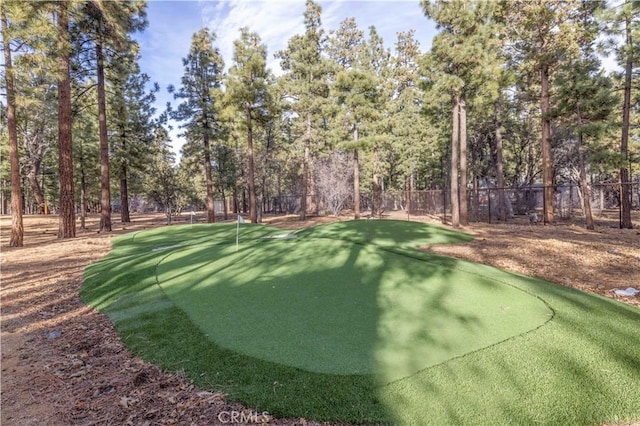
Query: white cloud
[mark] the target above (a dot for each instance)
(274, 21)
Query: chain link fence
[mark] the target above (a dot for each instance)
(484, 204)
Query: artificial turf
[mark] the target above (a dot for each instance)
(349, 322)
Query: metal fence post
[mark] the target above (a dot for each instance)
(489, 202)
(444, 206)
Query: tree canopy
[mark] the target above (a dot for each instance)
(510, 94)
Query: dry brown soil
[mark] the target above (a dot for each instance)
(63, 363)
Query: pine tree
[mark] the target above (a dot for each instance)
(305, 85)
(67, 219)
(632, 32)
(131, 125)
(377, 61)
(345, 50)
(408, 128)
(164, 184)
(86, 150)
(107, 24)
(201, 81)
(17, 230)
(625, 22)
(356, 93)
(455, 66)
(247, 90)
(585, 94)
(36, 117)
(541, 34)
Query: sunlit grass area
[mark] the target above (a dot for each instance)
(349, 322)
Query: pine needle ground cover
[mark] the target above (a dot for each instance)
(349, 322)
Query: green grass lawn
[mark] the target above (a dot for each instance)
(349, 322)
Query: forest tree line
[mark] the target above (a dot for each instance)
(511, 92)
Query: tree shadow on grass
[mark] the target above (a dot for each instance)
(582, 367)
(330, 320)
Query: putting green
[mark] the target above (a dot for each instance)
(340, 307)
(348, 322)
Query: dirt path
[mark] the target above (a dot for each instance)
(63, 363)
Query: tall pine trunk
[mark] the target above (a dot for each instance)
(502, 199)
(464, 208)
(376, 199)
(305, 170)
(83, 190)
(83, 200)
(67, 218)
(253, 211)
(408, 189)
(32, 178)
(124, 172)
(455, 137)
(356, 178)
(17, 228)
(124, 195)
(625, 183)
(584, 185)
(547, 160)
(211, 214)
(105, 189)
(225, 204)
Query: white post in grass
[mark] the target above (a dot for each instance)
(240, 220)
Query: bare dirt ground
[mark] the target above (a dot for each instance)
(598, 261)
(63, 363)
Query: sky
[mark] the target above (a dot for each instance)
(166, 40)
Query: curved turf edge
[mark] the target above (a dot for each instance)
(337, 307)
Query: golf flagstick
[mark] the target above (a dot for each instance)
(240, 220)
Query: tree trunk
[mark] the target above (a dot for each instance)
(455, 137)
(244, 200)
(502, 199)
(584, 186)
(407, 187)
(225, 204)
(625, 184)
(32, 178)
(356, 178)
(236, 202)
(83, 197)
(253, 212)
(376, 202)
(67, 218)
(475, 202)
(83, 191)
(124, 195)
(17, 228)
(376, 199)
(211, 214)
(105, 193)
(547, 160)
(305, 170)
(531, 162)
(464, 208)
